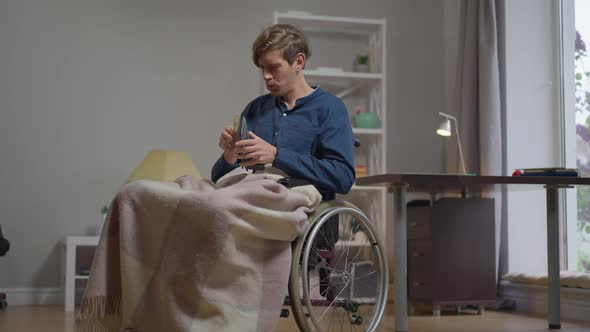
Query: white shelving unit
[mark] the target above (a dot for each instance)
(335, 42)
(73, 271)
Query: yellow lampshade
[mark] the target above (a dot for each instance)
(164, 165)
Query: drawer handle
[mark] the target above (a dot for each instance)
(413, 224)
(417, 254)
(416, 284)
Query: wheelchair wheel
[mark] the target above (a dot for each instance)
(339, 273)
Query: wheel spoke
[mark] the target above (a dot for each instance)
(334, 300)
(368, 274)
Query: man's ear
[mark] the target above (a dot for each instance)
(300, 61)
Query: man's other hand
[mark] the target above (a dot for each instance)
(227, 144)
(255, 150)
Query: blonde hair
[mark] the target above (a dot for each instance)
(283, 37)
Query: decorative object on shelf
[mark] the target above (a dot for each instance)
(444, 129)
(365, 119)
(164, 165)
(361, 171)
(104, 211)
(361, 63)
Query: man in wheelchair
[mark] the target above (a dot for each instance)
(302, 130)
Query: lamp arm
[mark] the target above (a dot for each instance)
(448, 116)
(459, 144)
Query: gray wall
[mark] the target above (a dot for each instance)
(88, 87)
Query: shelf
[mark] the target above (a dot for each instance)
(348, 25)
(341, 79)
(73, 272)
(367, 131)
(335, 74)
(89, 241)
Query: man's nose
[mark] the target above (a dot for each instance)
(266, 76)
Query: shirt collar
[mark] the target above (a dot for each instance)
(317, 91)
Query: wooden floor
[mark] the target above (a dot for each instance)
(53, 319)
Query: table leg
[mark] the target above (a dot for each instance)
(400, 257)
(553, 256)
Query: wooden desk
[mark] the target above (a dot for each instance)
(401, 183)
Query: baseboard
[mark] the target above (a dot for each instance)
(33, 296)
(575, 302)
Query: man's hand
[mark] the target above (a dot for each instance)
(257, 150)
(226, 142)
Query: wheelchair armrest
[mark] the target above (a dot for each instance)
(291, 182)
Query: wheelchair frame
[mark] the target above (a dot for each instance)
(299, 296)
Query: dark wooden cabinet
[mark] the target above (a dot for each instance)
(451, 252)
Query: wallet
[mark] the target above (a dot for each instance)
(241, 133)
(240, 128)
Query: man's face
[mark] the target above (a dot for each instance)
(279, 76)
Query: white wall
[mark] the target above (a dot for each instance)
(88, 87)
(532, 124)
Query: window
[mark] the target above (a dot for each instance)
(582, 109)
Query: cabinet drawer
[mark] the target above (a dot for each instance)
(418, 223)
(419, 250)
(420, 260)
(420, 278)
(419, 289)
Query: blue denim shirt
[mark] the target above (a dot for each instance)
(314, 139)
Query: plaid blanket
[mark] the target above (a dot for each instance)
(190, 255)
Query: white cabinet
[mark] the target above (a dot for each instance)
(77, 267)
(335, 44)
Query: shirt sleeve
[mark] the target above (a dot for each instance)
(220, 168)
(332, 168)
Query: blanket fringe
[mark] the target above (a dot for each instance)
(95, 311)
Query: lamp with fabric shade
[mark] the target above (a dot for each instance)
(164, 165)
(444, 129)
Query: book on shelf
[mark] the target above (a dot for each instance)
(546, 171)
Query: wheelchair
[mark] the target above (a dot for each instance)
(339, 275)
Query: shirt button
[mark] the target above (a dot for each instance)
(284, 114)
(276, 134)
